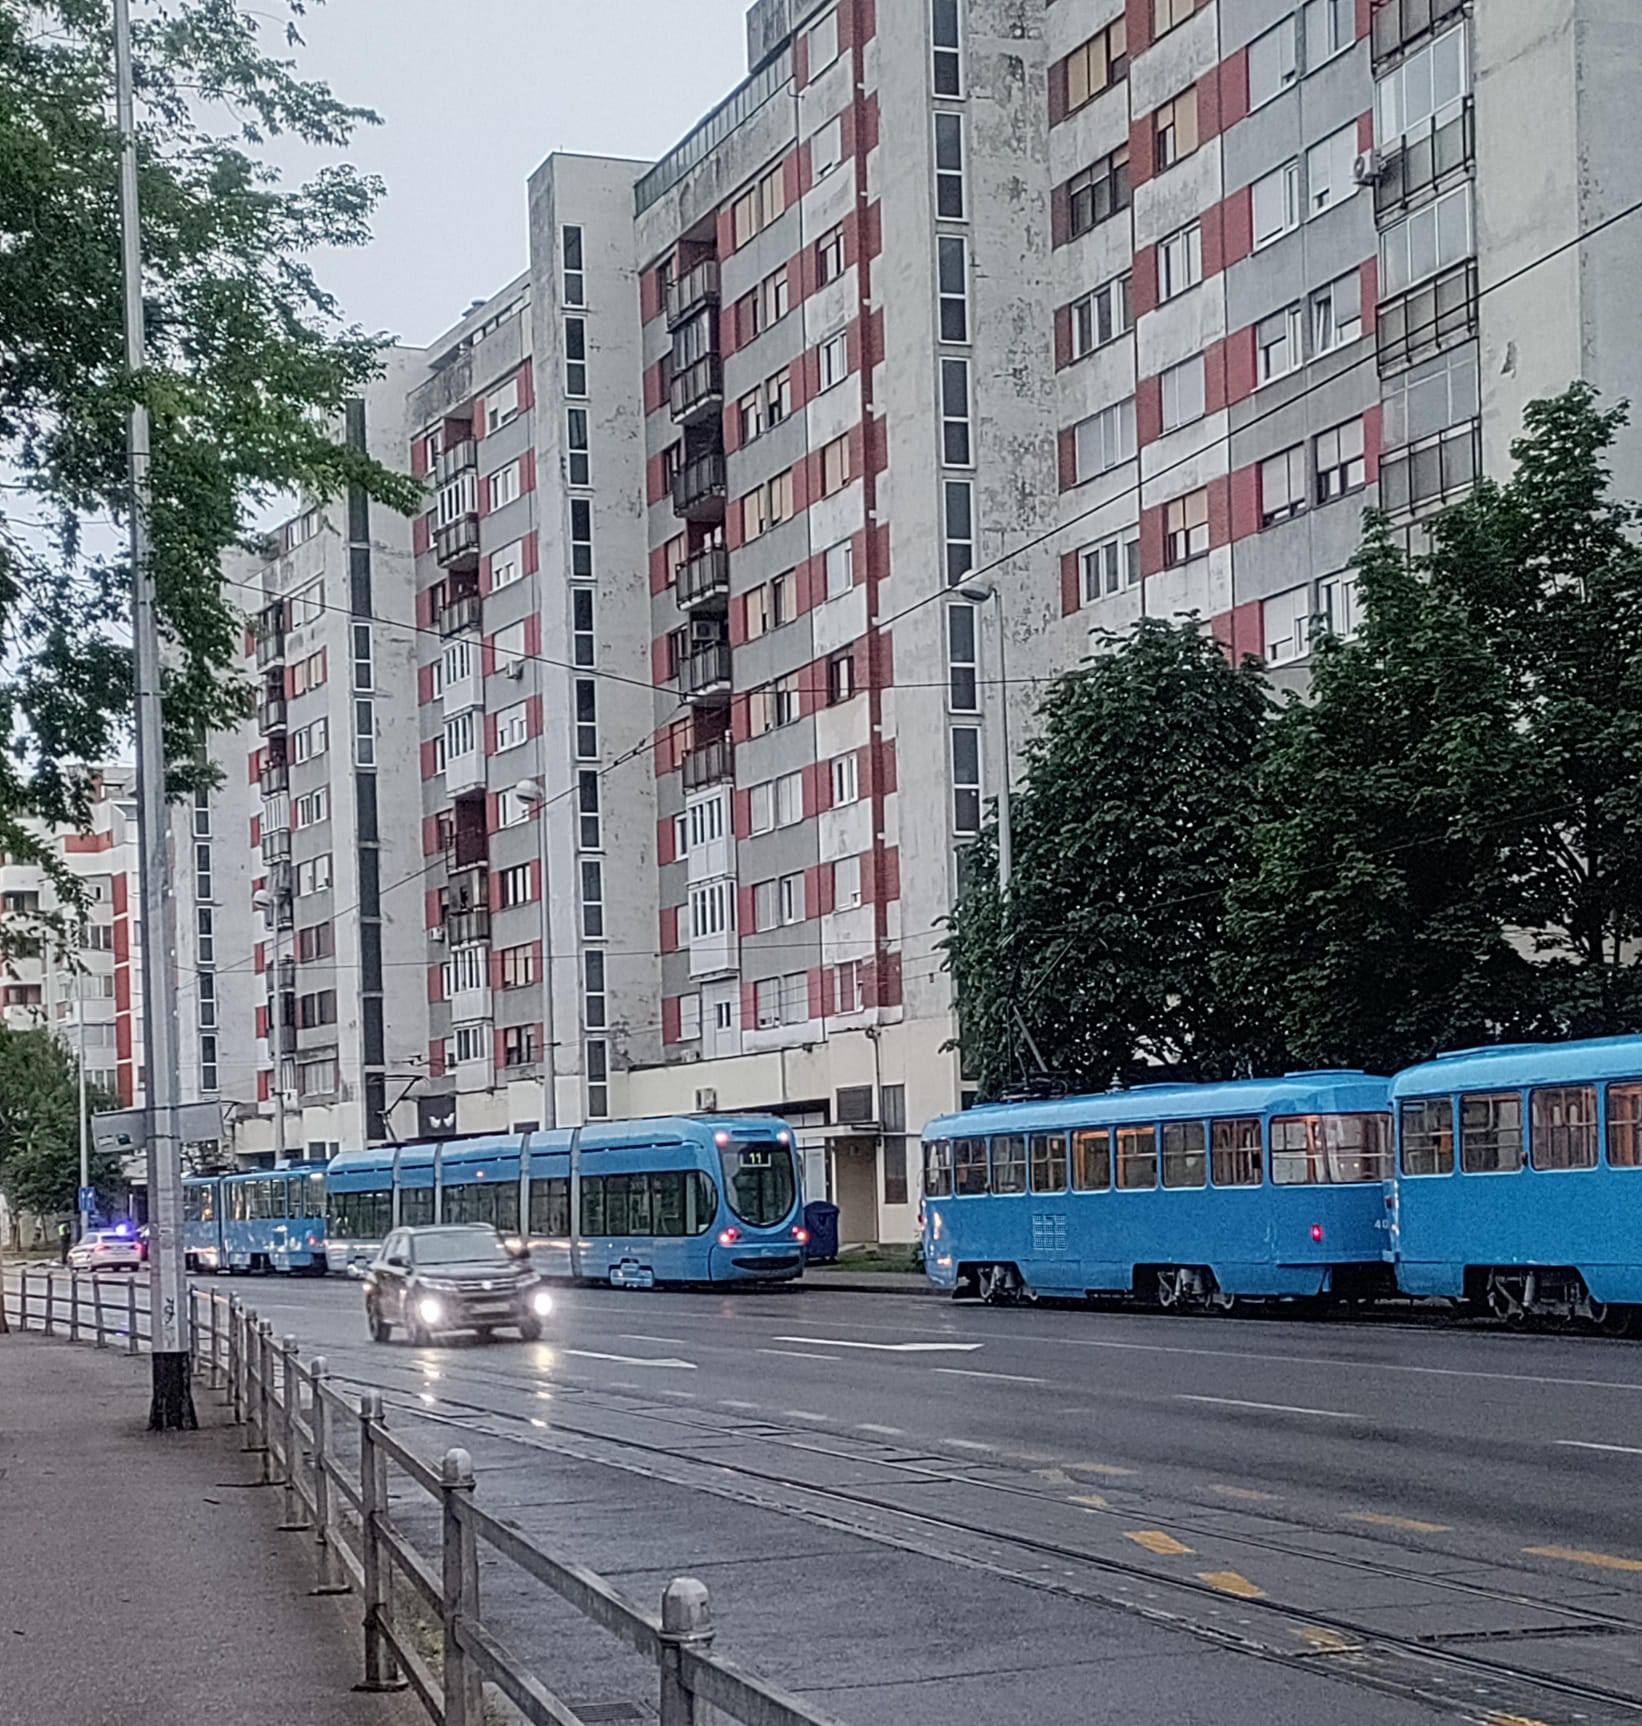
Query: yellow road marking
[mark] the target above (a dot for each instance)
(1098, 1468)
(1578, 1555)
(1156, 1541)
(1409, 1524)
(1511, 1720)
(1325, 1641)
(1092, 1500)
(1054, 1476)
(1231, 1582)
(1245, 1492)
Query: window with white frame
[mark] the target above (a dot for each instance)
(846, 883)
(513, 726)
(584, 640)
(306, 605)
(513, 886)
(507, 565)
(706, 820)
(506, 485)
(311, 808)
(958, 525)
(767, 1003)
(963, 685)
(1274, 63)
(1339, 461)
(1104, 440)
(456, 663)
(827, 147)
(846, 987)
(1287, 620)
(1277, 345)
(364, 733)
(1179, 261)
(948, 48)
(470, 1043)
(364, 672)
(578, 462)
(949, 166)
(1100, 191)
(1183, 393)
(512, 809)
(464, 971)
(1425, 242)
(789, 799)
(952, 286)
(1329, 27)
(689, 1018)
(1282, 485)
(1426, 88)
(461, 735)
(587, 719)
(1110, 566)
(1276, 203)
(313, 875)
(1185, 528)
(575, 356)
(840, 566)
(589, 815)
(575, 268)
(1337, 313)
(966, 779)
(591, 872)
(846, 780)
(1330, 171)
(766, 905)
(956, 448)
(710, 913)
(1430, 397)
(1337, 595)
(795, 998)
(792, 898)
(761, 808)
(821, 42)
(501, 405)
(1100, 316)
(835, 360)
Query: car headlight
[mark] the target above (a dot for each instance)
(541, 1303)
(430, 1309)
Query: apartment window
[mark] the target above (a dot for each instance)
(1276, 203)
(512, 810)
(835, 467)
(316, 1078)
(317, 941)
(1330, 28)
(1282, 485)
(1330, 171)
(1273, 62)
(1337, 313)
(203, 888)
(1175, 129)
(1287, 618)
(306, 604)
(461, 738)
(1104, 440)
(761, 808)
(829, 256)
(758, 206)
(1100, 191)
(593, 989)
(501, 406)
(512, 726)
(846, 780)
(517, 966)
(948, 48)
(592, 884)
(1100, 316)
(513, 886)
(1277, 345)
(1429, 240)
(1338, 603)
(750, 416)
(1179, 262)
(766, 905)
(966, 779)
(834, 360)
(518, 1045)
(455, 664)
(206, 994)
(767, 1003)
(791, 897)
(581, 538)
(1431, 397)
(706, 821)
(1339, 461)
(364, 734)
(709, 910)
(846, 883)
(1183, 393)
(578, 462)
(949, 167)
(958, 522)
(206, 928)
(840, 679)
(587, 719)
(590, 825)
(821, 43)
(1430, 471)
(1431, 81)
(316, 1009)
(840, 566)
(575, 356)
(313, 875)
(507, 566)
(208, 1063)
(955, 440)
(963, 691)
(774, 298)
(1185, 528)
(795, 998)
(570, 258)
(309, 741)
(689, 1018)
(846, 985)
(506, 486)
(778, 397)
(1097, 64)
(313, 807)
(789, 799)
(827, 147)
(1110, 566)
(952, 282)
(583, 637)
(1166, 14)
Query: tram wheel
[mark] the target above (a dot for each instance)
(998, 1285)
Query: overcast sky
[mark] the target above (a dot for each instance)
(473, 94)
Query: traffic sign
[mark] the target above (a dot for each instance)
(88, 1200)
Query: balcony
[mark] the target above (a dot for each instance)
(270, 646)
(699, 488)
(456, 543)
(466, 928)
(465, 773)
(271, 714)
(460, 458)
(710, 764)
(693, 290)
(276, 846)
(704, 582)
(275, 777)
(1442, 148)
(704, 676)
(698, 390)
(465, 611)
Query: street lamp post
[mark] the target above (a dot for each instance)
(979, 592)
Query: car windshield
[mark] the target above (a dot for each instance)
(460, 1247)
(759, 1182)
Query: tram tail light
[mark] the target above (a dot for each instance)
(728, 1237)
(802, 1236)
(1317, 1232)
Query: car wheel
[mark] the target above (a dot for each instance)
(530, 1329)
(416, 1332)
(381, 1330)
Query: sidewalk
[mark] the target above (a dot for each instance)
(840, 1276)
(142, 1576)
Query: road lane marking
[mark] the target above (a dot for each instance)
(730, 1402)
(1089, 1500)
(797, 1354)
(1579, 1555)
(667, 1341)
(887, 1347)
(1248, 1493)
(1110, 1468)
(969, 1444)
(882, 1431)
(1408, 1524)
(1270, 1407)
(802, 1414)
(1054, 1476)
(1232, 1582)
(1155, 1541)
(1325, 1641)
(1585, 1444)
(631, 1359)
(1511, 1720)
(973, 1372)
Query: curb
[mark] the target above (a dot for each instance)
(837, 1283)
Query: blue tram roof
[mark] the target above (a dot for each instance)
(1511, 1066)
(1330, 1091)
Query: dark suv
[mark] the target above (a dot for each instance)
(457, 1276)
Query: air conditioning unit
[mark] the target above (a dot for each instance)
(1367, 169)
(706, 1100)
(515, 668)
(437, 934)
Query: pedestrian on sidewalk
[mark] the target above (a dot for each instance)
(65, 1234)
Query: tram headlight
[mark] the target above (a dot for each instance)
(431, 1311)
(541, 1303)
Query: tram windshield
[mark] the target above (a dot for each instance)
(759, 1182)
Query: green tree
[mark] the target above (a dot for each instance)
(249, 364)
(40, 1125)
(1136, 814)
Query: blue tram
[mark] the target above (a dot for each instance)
(1520, 1178)
(1187, 1195)
(270, 1220)
(669, 1200)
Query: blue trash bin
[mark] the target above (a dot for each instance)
(821, 1219)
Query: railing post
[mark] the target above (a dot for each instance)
(328, 1577)
(216, 1341)
(236, 1406)
(381, 1669)
(464, 1691)
(73, 1306)
(686, 1623)
(265, 1398)
(296, 1511)
(131, 1314)
(97, 1307)
(51, 1300)
(22, 1299)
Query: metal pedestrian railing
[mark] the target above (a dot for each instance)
(336, 1465)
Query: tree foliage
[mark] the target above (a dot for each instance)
(249, 364)
(40, 1125)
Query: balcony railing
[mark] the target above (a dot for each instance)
(270, 646)
(698, 389)
(699, 488)
(459, 459)
(704, 582)
(693, 290)
(465, 928)
(271, 714)
(275, 777)
(464, 612)
(1443, 146)
(704, 676)
(456, 544)
(711, 764)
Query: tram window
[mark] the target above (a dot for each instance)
(1564, 1127)
(270, 1200)
(1185, 1163)
(615, 1206)
(667, 1204)
(1092, 1159)
(550, 1208)
(296, 1198)
(1234, 1152)
(191, 1197)
(700, 1202)
(507, 1208)
(1624, 1126)
(1491, 1133)
(416, 1207)
(593, 1204)
(937, 1168)
(969, 1166)
(1428, 1137)
(1136, 1158)
(1049, 1162)
(1332, 1150)
(1009, 1163)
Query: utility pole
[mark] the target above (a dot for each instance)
(170, 1344)
(80, 1061)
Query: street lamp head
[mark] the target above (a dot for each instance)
(979, 590)
(530, 792)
